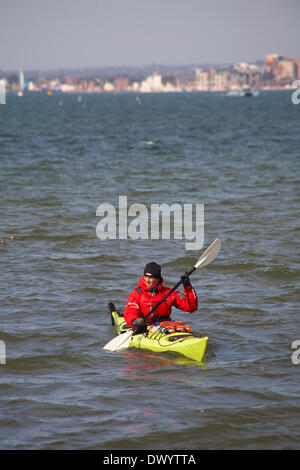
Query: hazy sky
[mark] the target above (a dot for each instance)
(47, 34)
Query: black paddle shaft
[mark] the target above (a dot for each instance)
(169, 293)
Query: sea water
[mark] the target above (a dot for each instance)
(60, 159)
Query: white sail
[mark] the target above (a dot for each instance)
(21, 83)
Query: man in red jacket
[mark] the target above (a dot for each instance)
(149, 292)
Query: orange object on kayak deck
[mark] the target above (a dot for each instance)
(175, 326)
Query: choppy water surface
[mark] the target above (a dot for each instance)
(60, 159)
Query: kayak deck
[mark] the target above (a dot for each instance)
(184, 343)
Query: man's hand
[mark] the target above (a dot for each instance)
(185, 280)
(139, 325)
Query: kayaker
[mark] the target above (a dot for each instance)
(149, 292)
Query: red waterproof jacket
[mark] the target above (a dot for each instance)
(141, 300)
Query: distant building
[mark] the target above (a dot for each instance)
(280, 68)
(201, 80)
(221, 82)
(271, 59)
(286, 69)
(108, 87)
(67, 88)
(297, 63)
(121, 84)
(153, 83)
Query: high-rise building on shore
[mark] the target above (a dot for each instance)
(280, 68)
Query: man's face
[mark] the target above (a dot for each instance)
(151, 281)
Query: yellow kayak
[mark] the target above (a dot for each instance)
(158, 339)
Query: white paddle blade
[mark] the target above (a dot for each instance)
(119, 342)
(210, 254)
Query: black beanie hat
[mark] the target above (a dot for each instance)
(152, 269)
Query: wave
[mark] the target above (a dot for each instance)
(282, 273)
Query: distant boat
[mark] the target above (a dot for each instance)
(250, 92)
(247, 92)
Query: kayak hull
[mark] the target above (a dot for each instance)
(183, 343)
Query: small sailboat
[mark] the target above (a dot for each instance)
(21, 83)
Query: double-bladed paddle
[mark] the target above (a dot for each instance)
(122, 341)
